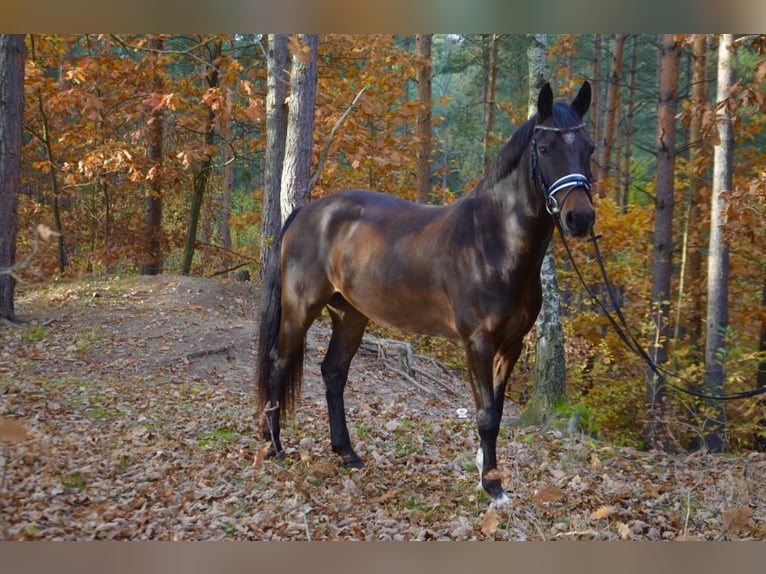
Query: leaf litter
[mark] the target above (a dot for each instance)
(127, 412)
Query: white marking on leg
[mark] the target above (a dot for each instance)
(479, 466)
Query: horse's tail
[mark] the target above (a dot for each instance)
(268, 336)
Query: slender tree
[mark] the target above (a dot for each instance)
(549, 388)
(490, 85)
(152, 263)
(629, 111)
(596, 99)
(609, 135)
(12, 53)
(423, 153)
(698, 188)
(718, 256)
(296, 170)
(662, 267)
(277, 82)
(202, 173)
(226, 131)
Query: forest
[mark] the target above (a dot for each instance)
(149, 154)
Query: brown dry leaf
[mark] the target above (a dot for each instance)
(549, 493)
(489, 522)
(260, 455)
(623, 530)
(12, 431)
(735, 520)
(603, 512)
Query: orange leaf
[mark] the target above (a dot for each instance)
(602, 512)
(736, 520)
(12, 431)
(490, 522)
(549, 494)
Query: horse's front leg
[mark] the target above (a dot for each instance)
(480, 354)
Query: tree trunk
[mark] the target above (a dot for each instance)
(277, 81)
(227, 120)
(759, 441)
(596, 101)
(612, 104)
(296, 171)
(662, 267)
(45, 139)
(549, 390)
(698, 165)
(423, 153)
(629, 108)
(202, 176)
(12, 53)
(488, 117)
(152, 263)
(718, 257)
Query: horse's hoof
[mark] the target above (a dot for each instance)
(352, 460)
(500, 501)
(274, 453)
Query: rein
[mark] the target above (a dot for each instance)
(620, 326)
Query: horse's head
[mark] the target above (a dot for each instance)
(561, 152)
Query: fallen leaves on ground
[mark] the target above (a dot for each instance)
(110, 431)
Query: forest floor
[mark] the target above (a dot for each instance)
(127, 412)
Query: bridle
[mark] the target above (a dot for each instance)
(568, 182)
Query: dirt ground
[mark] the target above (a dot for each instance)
(136, 399)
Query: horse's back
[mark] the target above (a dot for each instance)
(379, 252)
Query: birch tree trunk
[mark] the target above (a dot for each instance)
(12, 53)
(423, 167)
(718, 257)
(549, 389)
(662, 267)
(277, 82)
(296, 170)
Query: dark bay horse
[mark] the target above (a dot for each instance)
(468, 271)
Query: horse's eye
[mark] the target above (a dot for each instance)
(543, 149)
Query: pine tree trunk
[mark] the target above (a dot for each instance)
(277, 81)
(296, 171)
(549, 390)
(662, 267)
(629, 109)
(423, 153)
(12, 53)
(612, 104)
(596, 102)
(698, 163)
(718, 257)
(202, 175)
(488, 117)
(152, 263)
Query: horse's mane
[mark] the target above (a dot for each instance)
(508, 159)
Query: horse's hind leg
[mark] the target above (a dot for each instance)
(348, 326)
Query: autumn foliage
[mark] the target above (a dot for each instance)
(86, 172)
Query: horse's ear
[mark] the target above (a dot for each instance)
(544, 103)
(581, 103)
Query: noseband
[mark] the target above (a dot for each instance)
(568, 182)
